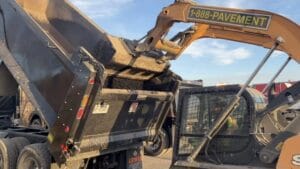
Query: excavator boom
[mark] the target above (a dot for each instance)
(255, 27)
(248, 26)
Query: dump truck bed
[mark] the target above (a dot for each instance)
(64, 63)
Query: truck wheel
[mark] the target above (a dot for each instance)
(8, 154)
(157, 146)
(34, 156)
(20, 143)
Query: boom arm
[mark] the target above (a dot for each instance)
(248, 26)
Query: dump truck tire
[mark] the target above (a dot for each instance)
(34, 156)
(20, 143)
(8, 154)
(159, 146)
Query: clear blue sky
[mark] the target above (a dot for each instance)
(214, 61)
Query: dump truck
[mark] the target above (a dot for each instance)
(99, 98)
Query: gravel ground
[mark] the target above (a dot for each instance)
(162, 162)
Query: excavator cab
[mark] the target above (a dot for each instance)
(198, 109)
(254, 124)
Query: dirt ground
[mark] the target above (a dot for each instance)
(162, 162)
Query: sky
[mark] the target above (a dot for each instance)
(213, 61)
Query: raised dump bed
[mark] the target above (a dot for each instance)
(95, 95)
